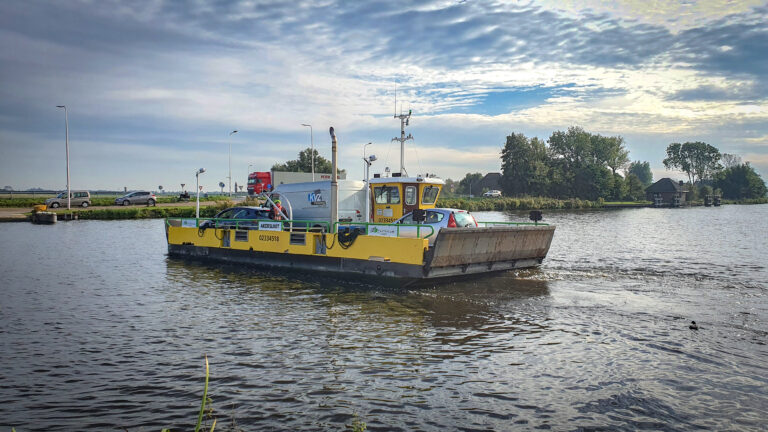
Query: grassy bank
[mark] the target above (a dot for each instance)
(136, 212)
(527, 203)
(747, 201)
(95, 201)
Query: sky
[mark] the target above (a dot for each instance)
(154, 88)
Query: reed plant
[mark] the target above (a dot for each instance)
(206, 402)
(747, 201)
(524, 203)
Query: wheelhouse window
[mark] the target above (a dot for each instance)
(410, 195)
(430, 194)
(386, 194)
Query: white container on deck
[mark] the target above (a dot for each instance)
(312, 200)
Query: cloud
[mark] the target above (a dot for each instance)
(738, 91)
(168, 75)
(727, 46)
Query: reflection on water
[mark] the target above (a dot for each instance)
(111, 334)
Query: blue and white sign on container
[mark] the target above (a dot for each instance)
(316, 198)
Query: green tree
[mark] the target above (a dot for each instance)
(740, 182)
(449, 189)
(610, 151)
(579, 164)
(524, 166)
(467, 185)
(730, 160)
(304, 164)
(620, 188)
(635, 187)
(698, 160)
(641, 170)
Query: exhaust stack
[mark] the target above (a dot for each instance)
(334, 183)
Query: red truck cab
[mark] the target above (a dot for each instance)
(258, 182)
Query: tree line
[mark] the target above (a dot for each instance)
(572, 164)
(304, 163)
(579, 164)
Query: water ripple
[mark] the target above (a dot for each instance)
(597, 339)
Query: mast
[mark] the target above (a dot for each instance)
(404, 120)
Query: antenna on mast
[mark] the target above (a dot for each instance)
(395, 98)
(404, 121)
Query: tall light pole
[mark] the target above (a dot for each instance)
(66, 143)
(312, 144)
(367, 161)
(197, 186)
(230, 163)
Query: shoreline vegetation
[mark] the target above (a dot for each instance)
(95, 201)
(474, 204)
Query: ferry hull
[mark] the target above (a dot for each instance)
(300, 262)
(456, 252)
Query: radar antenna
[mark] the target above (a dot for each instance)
(404, 121)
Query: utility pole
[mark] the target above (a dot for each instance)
(66, 143)
(230, 163)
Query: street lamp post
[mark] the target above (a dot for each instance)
(230, 163)
(197, 186)
(368, 160)
(66, 143)
(312, 144)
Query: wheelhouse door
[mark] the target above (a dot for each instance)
(410, 197)
(387, 203)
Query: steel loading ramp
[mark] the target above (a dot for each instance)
(479, 250)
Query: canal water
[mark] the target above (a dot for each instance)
(100, 330)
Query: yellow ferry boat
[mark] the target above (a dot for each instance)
(376, 248)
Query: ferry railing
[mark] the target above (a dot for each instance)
(252, 224)
(511, 223)
(368, 225)
(306, 225)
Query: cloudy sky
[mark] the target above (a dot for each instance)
(153, 88)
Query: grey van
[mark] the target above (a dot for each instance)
(78, 198)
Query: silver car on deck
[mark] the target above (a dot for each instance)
(436, 218)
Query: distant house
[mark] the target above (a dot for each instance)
(489, 182)
(666, 193)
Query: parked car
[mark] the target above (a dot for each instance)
(437, 218)
(138, 197)
(238, 217)
(493, 194)
(78, 198)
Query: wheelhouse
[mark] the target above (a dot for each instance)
(393, 197)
